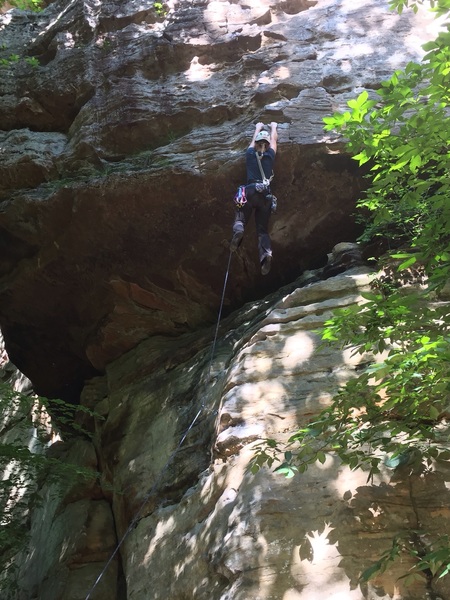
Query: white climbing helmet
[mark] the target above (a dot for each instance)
(263, 136)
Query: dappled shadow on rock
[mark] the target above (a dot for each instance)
(408, 509)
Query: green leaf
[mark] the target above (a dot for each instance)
(371, 296)
(362, 157)
(373, 570)
(429, 46)
(287, 470)
(407, 263)
(415, 163)
(434, 412)
(321, 457)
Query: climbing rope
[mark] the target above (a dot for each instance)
(213, 348)
(172, 456)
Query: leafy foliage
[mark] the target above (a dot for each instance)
(440, 7)
(435, 561)
(160, 8)
(395, 411)
(404, 137)
(34, 5)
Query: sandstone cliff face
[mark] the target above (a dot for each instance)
(122, 136)
(120, 153)
(180, 516)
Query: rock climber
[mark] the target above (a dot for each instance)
(257, 196)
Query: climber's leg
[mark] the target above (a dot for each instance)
(240, 221)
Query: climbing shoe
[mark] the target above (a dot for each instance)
(266, 264)
(236, 240)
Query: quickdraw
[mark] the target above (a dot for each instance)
(241, 197)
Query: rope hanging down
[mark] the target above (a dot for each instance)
(172, 456)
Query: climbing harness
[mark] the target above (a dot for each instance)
(172, 456)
